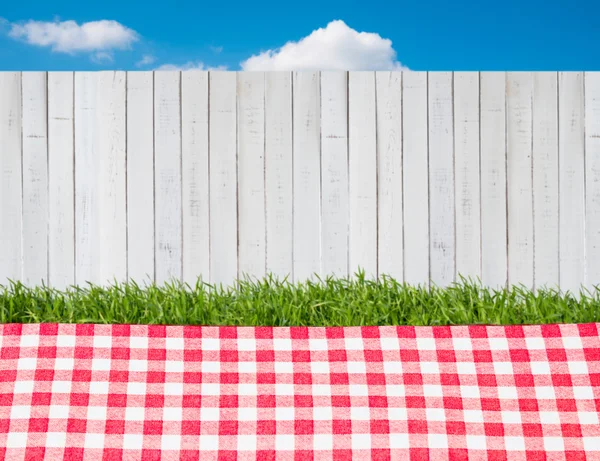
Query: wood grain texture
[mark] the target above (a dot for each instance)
(592, 179)
(11, 179)
(223, 178)
(362, 153)
(493, 179)
(441, 180)
(61, 180)
(467, 174)
(167, 175)
(279, 174)
(307, 175)
(415, 178)
(572, 181)
(519, 93)
(195, 177)
(389, 172)
(334, 173)
(35, 178)
(251, 174)
(545, 178)
(140, 176)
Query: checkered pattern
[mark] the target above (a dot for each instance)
(102, 392)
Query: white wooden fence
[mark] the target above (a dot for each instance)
(421, 176)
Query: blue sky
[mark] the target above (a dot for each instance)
(434, 35)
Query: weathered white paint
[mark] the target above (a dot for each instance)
(334, 173)
(10, 179)
(167, 175)
(61, 185)
(307, 174)
(362, 153)
(223, 178)
(278, 174)
(467, 174)
(493, 179)
(389, 172)
(35, 178)
(213, 175)
(195, 177)
(415, 177)
(545, 178)
(251, 173)
(441, 180)
(140, 176)
(519, 93)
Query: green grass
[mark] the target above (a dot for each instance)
(271, 302)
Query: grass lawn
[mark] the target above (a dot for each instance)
(351, 301)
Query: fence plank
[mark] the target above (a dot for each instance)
(11, 183)
(140, 176)
(87, 218)
(415, 178)
(35, 178)
(520, 189)
(195, 179)
(61, 181)
(334, 173)
(167, 175)
(279, 174)
(467, 174)
(389, 172)
(251, 173)
(571, 179)
(362, 153)
(493, 179)
(307, 175)
(545, 178)
(441, 179)
(592, 175)
(223, 180)
(112, 191)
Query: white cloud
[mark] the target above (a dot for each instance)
(70, 37)
(101, 57)
(335, 47)
(190, 65)
(146, 60)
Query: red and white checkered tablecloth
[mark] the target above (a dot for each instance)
(102, 392)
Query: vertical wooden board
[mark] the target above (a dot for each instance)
(592, 176)
(441, 179)
(195, 198)
(223, 178)
(389, 172)
(167, 175)
(467, 178)
(362, 153)
(61, 181)
(519, 92)
(279, 174)
(10, 182)
(494, 268)
(415, 178)
(112, 191)
(307, 175)
(571, 179)
(251, 173)
(334, 173)
(545, 178)
(35, 178)
(87, 219)
(140, 176)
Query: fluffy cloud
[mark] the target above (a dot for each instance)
(335, 47)
(190, 66)
(146, 60)
(70, 37)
